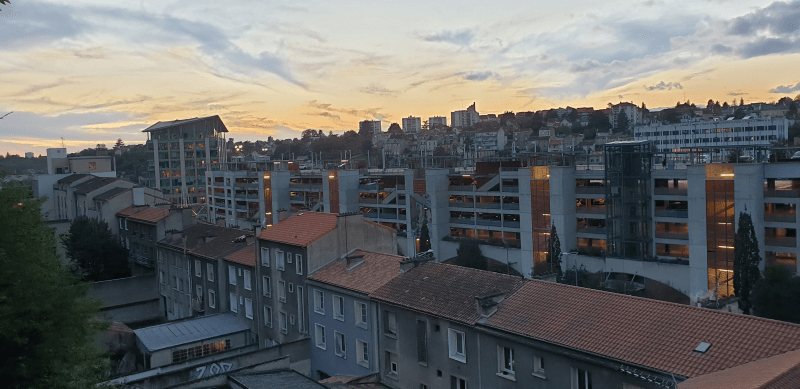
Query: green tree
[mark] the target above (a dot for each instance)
(47, 320)
(424, 239)
(554, 251)
(745, 263)
(94, 250)
(469, 255)
(622, 121)
(599, 121)
(777, 295)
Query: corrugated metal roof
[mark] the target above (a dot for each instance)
(173, 334)
(285, 379)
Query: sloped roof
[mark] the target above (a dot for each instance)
(144, 213)
(111, 193)
(245, 256)
(72, 178)
(174, 123)
(380, 225)
(94, 184)
(174, 334)
(208, 240)
(286, 379)
(780, 371)
(644, 332)
(446, 291)
(376, 270)
(301, 229)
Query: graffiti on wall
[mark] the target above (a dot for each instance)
(214, 369)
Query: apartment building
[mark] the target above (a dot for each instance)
(343, 321)
(437, 121)
(242, 198)
(464, 118)
(448, 326)
(412, 124)
(142, 226)
(698, 134)
(181, 151)
(369, 127)
(297, 246)
(632, 112)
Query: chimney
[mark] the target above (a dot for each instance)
(487, 304)
(354, 260)
(138, 196)
(417, 261)
(250, 239)
(282, 214)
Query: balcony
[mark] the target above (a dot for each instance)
(510, 189)
(780, 217)
(672, 235)
(491, 223)
(467, 221)
(591, 210)
(781, 242)
(590, 190)
(672, 213)
(461, 188)
(669, 191)
(510, 224)
(782, 193)
(591, 252)
(487, 205)
(591, 230)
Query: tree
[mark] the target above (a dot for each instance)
(738, 113)
(745, 262)
(94, 250)
(119, 145)
(622, 121)
(47, 320)
(777, 295)
(554, 251)
(741, 101)
(599, 120)
(394, 127)
(469, 255)
(424, 239)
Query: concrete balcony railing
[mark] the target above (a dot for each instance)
(461, 188)
(781, 242)
(780, 217)
(590, 190)
(511, 206)
(510, 224)
(672, 235)
(591, 230)
(510, 189)
(669, 191)
(468, 221)
(487, 205)
(591, 210)
(782, 193)
(492, 223)
(672, 213)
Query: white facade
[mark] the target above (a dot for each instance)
(491, 140)
(373, 125)
(714, 133)
(633, 113)
(412, 124)
(437, 121)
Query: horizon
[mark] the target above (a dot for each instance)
(91, 72)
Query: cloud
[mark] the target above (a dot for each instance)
(38, 24)
(354, 112)
(462, 37)
(786, 88)
(778, 18)
(721, 49)
(767, 46)
(479, 76)
(664, 86)
(375, 89)
(737, 93)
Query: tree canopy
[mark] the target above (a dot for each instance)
(47, 320)
(745, 262)
(554, 251)
(95, 251)
(469, 255)
(777, 295)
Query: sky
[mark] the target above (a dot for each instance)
(94, 71)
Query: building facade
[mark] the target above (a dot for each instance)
(412, 124)
(369, 127)
(437, 121)
(464, 118)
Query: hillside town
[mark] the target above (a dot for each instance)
(563, 248)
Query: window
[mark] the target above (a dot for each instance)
(247, 285)
(291, 287)
(389, 324)
(126, 224)
(298, 263)
(538, 367)
(289, 258)
(268, 316)
(362, 353)
(232, 274)
(301, 311)
(234, 303)
(266, 287)
(361, 314)
(338, 308)
(279, 260)
(283, 322)
(319, 301)
(212, 298)
(422, 341)
(210, 271)
(457, 348)
(264, 257)
(341, 348)
(282, 291)
(161, 277)
(391, 365)
(581, 379)
(505, 359)
(319, 336)
(198, 268)
(180, 285)
(457, 383)
(120, 224)
(248, 308)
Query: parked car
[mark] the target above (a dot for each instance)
(796, 155)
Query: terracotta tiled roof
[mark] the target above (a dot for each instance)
(245, 256)
(379, 225)
(376, 270)
(95, 184)
(446, 291)
(301, 229)
(780, 371)
(640, 331)
(144, 213)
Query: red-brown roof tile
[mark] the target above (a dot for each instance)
(208, 240)
(301, 229)
(376, 270)
(446, 291)
(150, 215)
(780, 371)
(245, 256)
(640, 331)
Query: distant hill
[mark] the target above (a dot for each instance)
(14, 164)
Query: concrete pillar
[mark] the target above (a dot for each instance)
(436, 183)
(525, 223)
(698, 255)
(748, 189)
(562, 205)
(280, 193)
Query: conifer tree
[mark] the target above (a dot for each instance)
(424, 239)
(745, 263)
